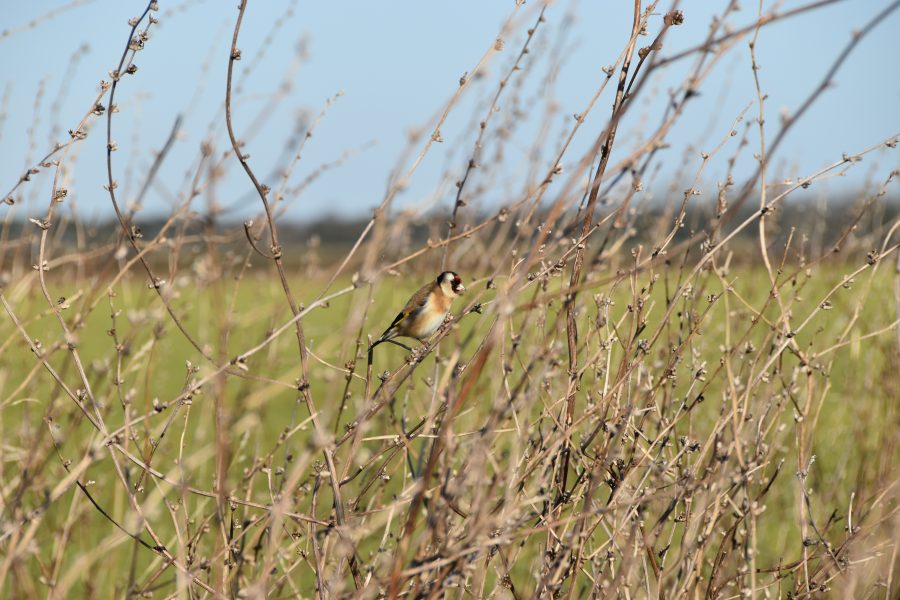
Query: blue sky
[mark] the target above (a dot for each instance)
(397, 63)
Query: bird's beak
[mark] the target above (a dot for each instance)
(461, 289)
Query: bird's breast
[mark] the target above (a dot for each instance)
(427, 323)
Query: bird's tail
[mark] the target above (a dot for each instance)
(388, 336)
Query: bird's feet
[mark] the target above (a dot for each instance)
(417, 354)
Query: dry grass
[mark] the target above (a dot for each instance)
(697, 404)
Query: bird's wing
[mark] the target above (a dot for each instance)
(418, 300)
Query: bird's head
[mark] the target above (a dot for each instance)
(451, 284)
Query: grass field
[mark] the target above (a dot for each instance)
(237, 432)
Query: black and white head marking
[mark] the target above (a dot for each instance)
(451, 283)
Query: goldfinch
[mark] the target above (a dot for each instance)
(425, 311)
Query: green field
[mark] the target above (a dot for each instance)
(249, 425)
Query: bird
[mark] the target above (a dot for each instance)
(425, 310)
